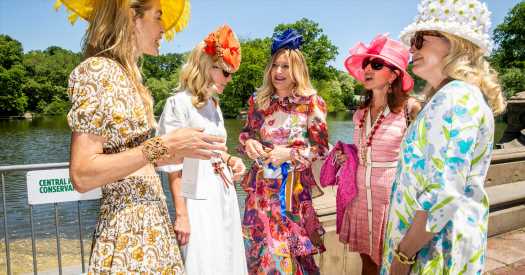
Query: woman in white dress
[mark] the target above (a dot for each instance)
(207, 212)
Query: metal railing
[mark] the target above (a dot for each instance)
(27, 168)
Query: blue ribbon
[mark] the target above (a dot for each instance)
(282, 190)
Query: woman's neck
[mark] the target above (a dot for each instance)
(379, 97)
(283, 93)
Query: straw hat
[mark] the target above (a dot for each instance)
(175, 13)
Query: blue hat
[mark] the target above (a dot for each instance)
(289, 39)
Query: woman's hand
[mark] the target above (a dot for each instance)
(340, 157)
(254, 149)
(192, 143)
(238, 167)
(278, 155)
(182, 229)
(397, 268)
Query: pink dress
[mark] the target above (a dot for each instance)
(365, 218)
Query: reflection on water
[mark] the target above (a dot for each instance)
(46, 140)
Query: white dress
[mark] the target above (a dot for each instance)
(216, 244)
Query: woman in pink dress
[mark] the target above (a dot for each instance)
(380, 124)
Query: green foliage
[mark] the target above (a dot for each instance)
(510, 37)
(162, 66)
(255, 55)
(509, 56)
(317, 48)
(12, 75)
(513, 81)
(161, 89)
(56, 107)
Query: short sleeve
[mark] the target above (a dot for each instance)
(174, 116)
(87, 89)
(446, 139)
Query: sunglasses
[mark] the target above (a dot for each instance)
(224, 72)
(377, 64)
(417, 40)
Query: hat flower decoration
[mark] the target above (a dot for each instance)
(469, 19)
(385, 48)
(288, 39)
(224, 46)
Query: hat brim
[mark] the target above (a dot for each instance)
(354, 66)
(483, 41)
(175, 14)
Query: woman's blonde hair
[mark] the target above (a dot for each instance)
(466, 62)
(195, 77)
(299, 73)
(111, 34)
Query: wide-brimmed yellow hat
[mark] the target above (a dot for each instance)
(175, 13)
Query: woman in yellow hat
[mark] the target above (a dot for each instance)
(111, 118)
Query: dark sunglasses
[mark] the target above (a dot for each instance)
(224, 72)
(377, 64)
(417, 40)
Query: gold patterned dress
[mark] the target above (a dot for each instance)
(134, 232)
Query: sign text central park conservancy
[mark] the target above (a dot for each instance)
(50, 186)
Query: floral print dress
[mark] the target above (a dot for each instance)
(133, 233)
(277, 242)
(444, 160)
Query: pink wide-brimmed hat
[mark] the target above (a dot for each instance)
(391, 51)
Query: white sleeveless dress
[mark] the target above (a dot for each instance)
(215, 245)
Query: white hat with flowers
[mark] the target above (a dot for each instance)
(469, 19)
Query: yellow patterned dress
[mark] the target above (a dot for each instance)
(134, 232)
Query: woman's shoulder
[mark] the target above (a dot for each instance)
(96, 68)
(179, 98)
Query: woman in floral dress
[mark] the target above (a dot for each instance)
(285, 131)
(111, 118)
(439, 208)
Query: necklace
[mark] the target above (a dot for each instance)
(363, 147)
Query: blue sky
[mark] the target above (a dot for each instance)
(37, 25)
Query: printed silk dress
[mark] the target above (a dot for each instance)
(277, 242)
(134, 234)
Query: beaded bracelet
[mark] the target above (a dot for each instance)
(154, 149)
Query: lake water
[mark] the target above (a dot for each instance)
(47, 140)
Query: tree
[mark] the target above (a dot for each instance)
(162, 66)
(510, 38)
(255, 56)
(317, 48)
(48, 73)
(509, 56)
(12, 75)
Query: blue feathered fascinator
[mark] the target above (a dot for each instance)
(289, 39)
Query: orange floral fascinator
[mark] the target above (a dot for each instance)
(222, 44)
(175, 13)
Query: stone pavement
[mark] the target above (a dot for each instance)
(506, 254)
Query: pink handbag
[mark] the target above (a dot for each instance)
(344, 176)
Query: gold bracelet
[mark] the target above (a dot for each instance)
(403, 258)
(154, 149)
(228, 160)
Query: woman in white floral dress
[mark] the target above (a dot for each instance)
(439, 209)
(111, 118)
